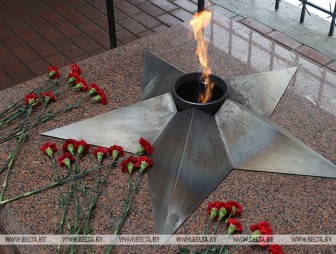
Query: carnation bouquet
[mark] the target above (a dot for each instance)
(223, 220)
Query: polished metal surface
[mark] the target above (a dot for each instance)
(158, 76)
(189, 162)
(260, 92)
(123, 126)
(254, 144)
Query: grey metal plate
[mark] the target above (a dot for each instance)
(261, 92)
(254, 144)
(123, 126)
(189, 162)
(158, 76)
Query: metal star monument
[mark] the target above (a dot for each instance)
(195, 151)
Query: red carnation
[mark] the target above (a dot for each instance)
(116, 151)
(234, 226)
(94, 89)
(31, 99)
(143, 163)
(216, 210)
(100, 152)
(82, 147)
(211, 205)
(66, 160)
(234, 208)
(223, 211)
(81, 84)
(261, 228)
(128, 165)
(69, 146)
(212, 210)
(53, 72)
(275, 249)
(74, 68)
(146, 147)
(72, 77)
(48, 97)
(101, 97)
(48, 148)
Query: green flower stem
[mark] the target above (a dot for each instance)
(47, 117)
(4, 166)
(55, 82)
(45, 86)
(127, 205)
(22, 130)
(58, 90)
(62, 201)
(85, 194)
(76, 227)
(88, 205)
(234, 249)
(13, 156)
(16, 134)
(55, 184)
(38, 89)
(52, 86)
(205, 232)
(77, 171)
(223, 248)
(214, 232)
(61, 111)
(20, 112)
(48, 85)
(4, 112)
(26, 134)
(57, 178)
(93, 203)
(18, 129)
(15, 131)
(11, 133)
(129, 184)
(127, 199)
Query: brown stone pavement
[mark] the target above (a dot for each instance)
(35, 34)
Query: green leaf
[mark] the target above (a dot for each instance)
(113, 219)
(184, 250)
(78, 230)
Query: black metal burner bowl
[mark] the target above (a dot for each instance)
(186, 91)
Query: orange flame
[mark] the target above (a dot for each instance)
(198, 23)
